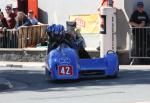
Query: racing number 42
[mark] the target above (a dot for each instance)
(65, 70)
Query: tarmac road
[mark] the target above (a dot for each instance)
(30, 86)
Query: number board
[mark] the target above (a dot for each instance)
(65, 70)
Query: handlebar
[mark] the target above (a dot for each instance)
(110, 51)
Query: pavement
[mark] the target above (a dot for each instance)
(21, 64)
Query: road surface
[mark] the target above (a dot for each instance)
(30, 86)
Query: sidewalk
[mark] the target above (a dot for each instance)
(21, 64)
(42, 64)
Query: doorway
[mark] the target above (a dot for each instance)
(23, 6)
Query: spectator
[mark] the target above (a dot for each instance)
(22, 20)
(31, 17)
(3, 26)
(10, 17)
(3, 21)
(139, 19)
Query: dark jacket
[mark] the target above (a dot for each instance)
(3, 23)
(24, 22)
(11, 21)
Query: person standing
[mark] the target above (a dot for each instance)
(31, 17)
(10, 17)
(138, 20)
(3, 21)
(139, 17)
(11, 21)
(22, 20)
(3, 27)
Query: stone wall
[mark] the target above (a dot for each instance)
(30, 55)
(22, 55)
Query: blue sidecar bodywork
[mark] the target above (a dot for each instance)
(63, 63)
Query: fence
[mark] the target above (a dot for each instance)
(140, 43)
(26, 36)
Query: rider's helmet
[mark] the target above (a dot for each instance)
(56, 31)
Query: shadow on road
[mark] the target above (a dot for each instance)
(24, 80)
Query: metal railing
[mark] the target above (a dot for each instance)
(26, 36)
(140, 43)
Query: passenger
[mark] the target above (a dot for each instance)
(3, 27)
(31, 17)
(139, 19)
(10, 17)
(22, 20)
(76, 39)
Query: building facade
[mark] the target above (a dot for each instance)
(58, 11)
